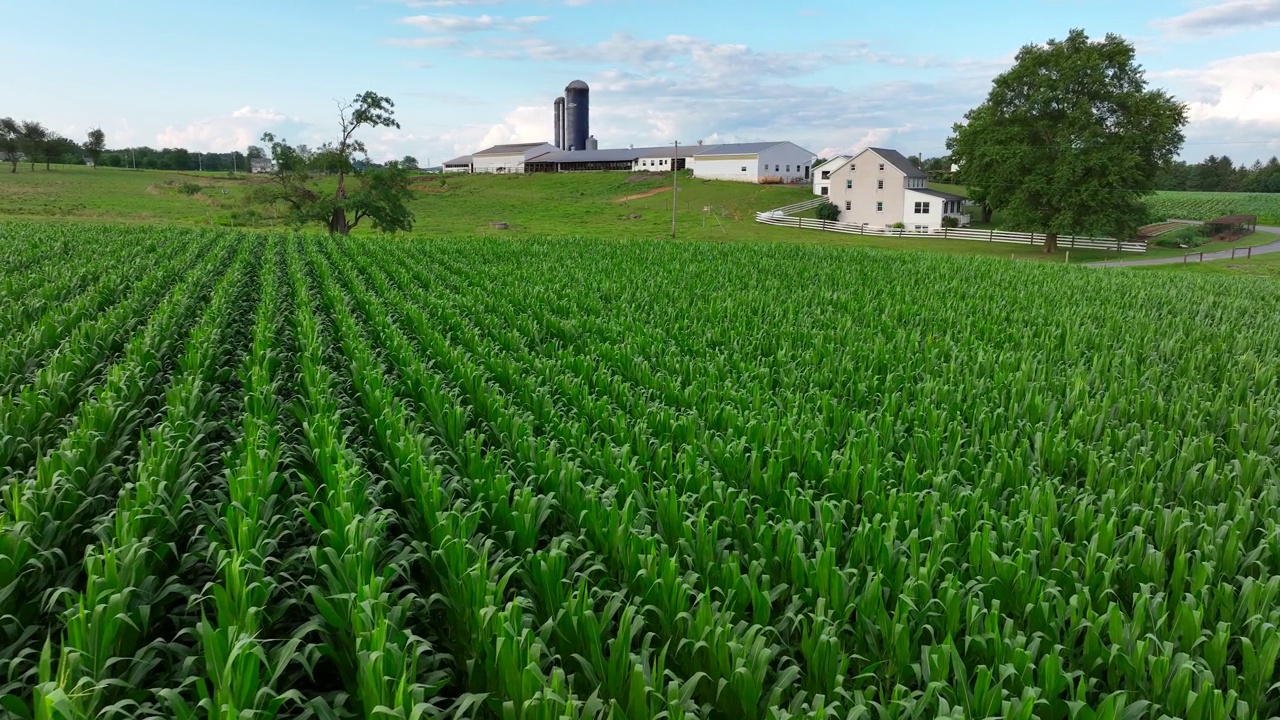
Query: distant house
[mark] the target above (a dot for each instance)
(822, 174)
(261, 165)
(458, 164)
(879, 187)
(763, 162)
(88, 161)
(508, 158)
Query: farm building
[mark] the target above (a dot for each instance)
(508, 158)
(582, 160)
(879, 187)
(259, 166)
(822, 174)
(461, 163)
(764, 162)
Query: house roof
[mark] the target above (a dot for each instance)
(513, 149)
(896, 159)
(737, 148)
(937, 193)
(837, 160)
(669, 151)
(575, 156)
(460, 160)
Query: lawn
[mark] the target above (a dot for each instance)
(530, 205)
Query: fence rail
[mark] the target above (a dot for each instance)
(783, 217)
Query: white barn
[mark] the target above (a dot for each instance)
(461, 163)
(764, 162)
(822, 174)
(508, 158)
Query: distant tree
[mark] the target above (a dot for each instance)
(11, 142)
(33, 138)
(409, 162)
(254, 152)
(1070, 139)
(95, 145)
(364, 191)
(828, 211)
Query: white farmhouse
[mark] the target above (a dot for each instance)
(764, 162)
(879, 187)
(508, 158)
(822, 174)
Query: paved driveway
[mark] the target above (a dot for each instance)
(1215, 255)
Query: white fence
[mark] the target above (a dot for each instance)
(783, 217)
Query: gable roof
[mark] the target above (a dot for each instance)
(837, 160)
(737, 148)
(458, 161)
(937, 193)
(568, 156)
(669, 151)
(512, 149)
(896, 159)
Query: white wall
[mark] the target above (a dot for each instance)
(511, 163)
(819, 183)
(742, 168)
(652, 165)
(787, 161)
(861, 200)
(933, 219)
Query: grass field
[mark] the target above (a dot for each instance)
(559, 204)
(266, 474)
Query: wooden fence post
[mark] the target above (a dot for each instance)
(991, 235)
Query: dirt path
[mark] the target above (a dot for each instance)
(647, 193)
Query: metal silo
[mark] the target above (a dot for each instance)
(592, 143)
(559, 115)
(577, 115)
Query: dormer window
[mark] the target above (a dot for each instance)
(882, 167)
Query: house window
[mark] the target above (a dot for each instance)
(879, 184)
(744, 168)
(848, 205)
(882, 166)
(922, 228)
(879, 207)
(788, 168)
(922, 208)
(826, 190)
(775, 168)
(854, 168)
(826, 174)
(848, 184)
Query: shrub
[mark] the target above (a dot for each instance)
(189, 188)
(1191, 236)
(949, 221)
(898, 225)
(828, 211)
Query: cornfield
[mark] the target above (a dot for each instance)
(256, 476)
(1210, 205)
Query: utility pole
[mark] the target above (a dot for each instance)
(675, 186)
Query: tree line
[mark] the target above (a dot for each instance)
(32, 142)
(1220, 174)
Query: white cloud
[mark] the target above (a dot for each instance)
(238, 129)
(1222, 17)
(450, 24)
(1243, 89)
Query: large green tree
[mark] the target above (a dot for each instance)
(34, 135)
(95, 145)
(379, 194)
(1070, 139)
(10, 142)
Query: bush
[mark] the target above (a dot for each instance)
(828, 211)
(1191, 236)
(949, 221)
(190, 188)
(898, 225)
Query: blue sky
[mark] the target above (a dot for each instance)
(830, 75)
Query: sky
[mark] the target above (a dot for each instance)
(833, 76)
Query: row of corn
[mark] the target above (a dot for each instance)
(567, 478)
